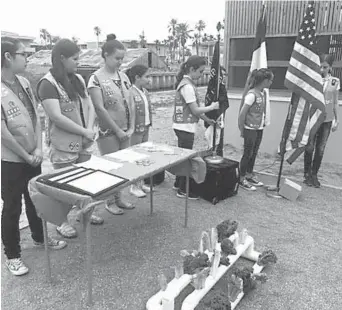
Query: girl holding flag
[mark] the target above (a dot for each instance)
(187, 112)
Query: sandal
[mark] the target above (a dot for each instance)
(112, 208)
(94, 220)
(67, 231)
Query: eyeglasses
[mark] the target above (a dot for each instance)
(24, 54)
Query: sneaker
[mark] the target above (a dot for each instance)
(137, 192)
(16, 266)
(247, 186)
(191, 196)
(253, 180)
(307, 179)
(315, 182)
(146, 188)
(53, 244)
(175, 188)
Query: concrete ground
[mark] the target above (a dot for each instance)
(129, 251)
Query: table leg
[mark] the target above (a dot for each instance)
(151, 195)
(87, 228)
(47, 256)
(186, 201)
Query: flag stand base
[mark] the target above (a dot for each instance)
(273, 192)
(214, 159)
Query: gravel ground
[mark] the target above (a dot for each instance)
(129, 251)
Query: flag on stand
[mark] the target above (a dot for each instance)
(216, 91)
(259, 60)
(303, 78)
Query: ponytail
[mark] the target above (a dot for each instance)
(258, 76)
(137, 70)
(252, 81)
(181, 74)
(193, 62)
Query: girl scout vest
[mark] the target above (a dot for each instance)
(256, 111)
(63, 140)
(18, 120)
(330, 88)
(114, 99)
(182, 113)
(140, 114)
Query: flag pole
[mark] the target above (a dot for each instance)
(273, 191)
(214, 159)
(217, 93)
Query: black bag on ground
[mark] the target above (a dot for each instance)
(157, 178)
(221, 181)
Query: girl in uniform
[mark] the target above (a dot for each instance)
(109, 91)
(187, 112)
(331, 86)
(21, 155)
(251, 124)
(71, 115)
(139, 78)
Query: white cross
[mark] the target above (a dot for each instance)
(303, 37)
(309, 36)
(313, 27)
(311, 13)
(310, 6)
(311, 42)
(301, 30)
(306, 21)
(313, 20)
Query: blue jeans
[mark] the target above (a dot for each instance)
(317, 145)
(252, 141)
(185, 141)
(14, 182)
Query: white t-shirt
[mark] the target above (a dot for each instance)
(249, 100)
(147, 112)
(188, 93)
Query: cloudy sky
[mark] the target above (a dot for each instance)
(126, 18)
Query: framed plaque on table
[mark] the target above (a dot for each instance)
(83, 181)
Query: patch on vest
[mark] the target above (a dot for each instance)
(179, 110)
(179, 117)
(137, 98)
(29, 93)
(4, 92)
(14, 111)
(333, 82)
(73, 146)
(126, 84)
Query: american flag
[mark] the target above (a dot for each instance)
(306, 111)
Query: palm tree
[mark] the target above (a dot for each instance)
(196, 42)
(172, 29)
(97, 31)
(45, 35)
(183, 32)
(200, 26)
(142, 40)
